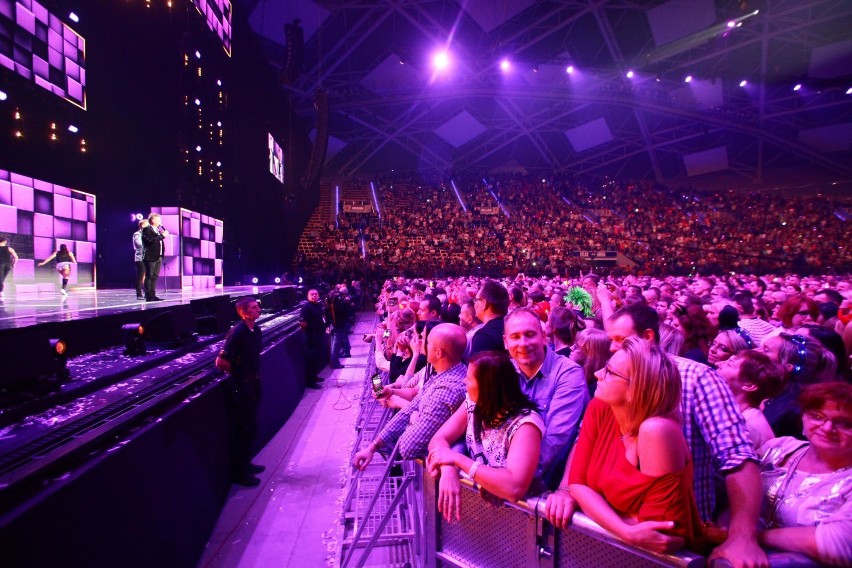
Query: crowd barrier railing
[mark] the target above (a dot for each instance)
(517, 534)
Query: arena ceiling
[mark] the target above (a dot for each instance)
(390, 109)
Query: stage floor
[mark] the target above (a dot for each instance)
(25, 310)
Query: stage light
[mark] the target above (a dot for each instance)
(197, 102)
(732, 24)
(219, 83)
(58, 346)
(630, 74)
(254, 280)
(849, 91)
(688, 79)
(198, 55)
(3, 96)
(797, 87)
(74, 17)
(441, 60)
(743, 83)
(277, 280)
(218, 164)
(300, 280)
(219, 124)
(569, 69)
(505, 65)
(72, 128)
(19, 134)
(198, 148)
(60, 359)
(134, 340)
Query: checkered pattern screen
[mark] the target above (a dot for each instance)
(37, 45)
(193, 249)
(217, 13)
(37, 216)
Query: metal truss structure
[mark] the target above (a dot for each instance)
(384, 118)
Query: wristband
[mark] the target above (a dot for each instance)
(472, 472)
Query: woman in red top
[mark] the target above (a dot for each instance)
(632, 472)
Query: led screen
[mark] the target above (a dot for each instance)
(276, 159)
(37, 216)
(37, 45)
(217, 13)
(193, 249)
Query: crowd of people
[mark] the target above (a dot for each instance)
(552, 225)
(712, 413)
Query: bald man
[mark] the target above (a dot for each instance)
(442, 393)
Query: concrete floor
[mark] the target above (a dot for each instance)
(292, 518)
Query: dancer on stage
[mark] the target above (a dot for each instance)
(8, 258)
(153, 236)
(64, 258)
(138, 257)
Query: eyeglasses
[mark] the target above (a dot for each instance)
(608, 372)
(819, 419)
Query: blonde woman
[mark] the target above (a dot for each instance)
(632, 471)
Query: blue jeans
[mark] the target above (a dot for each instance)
(340, 342)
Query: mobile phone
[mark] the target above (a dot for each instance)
(378, 387)
(387, 333)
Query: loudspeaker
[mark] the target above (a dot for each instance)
(173, 327)
(213, 315)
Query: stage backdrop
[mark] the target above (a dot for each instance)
(37, 216)
(193, 249)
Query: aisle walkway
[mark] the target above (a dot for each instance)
(292, 518)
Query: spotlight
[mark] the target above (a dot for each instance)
(197, 102)
(219, 82)
(441, 60)
(277, 280)
(73, 17)
(3, 96)
(134, 341)
(569, 69)
(688, 79)
(630, 74)
(72, 128)
(731, 24)
(218, 164)
(60, 359)
(300, 280)
(849, 91)
(743, 83)
(254, 280)
(797, 87)
(198, 148)
(219, 124)
(198, 55)
(505, 65)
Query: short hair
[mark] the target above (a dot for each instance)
(816, 396)
(3, 239)
(757, 368)
(760, 283)
(243, 303)
(791, 306)
(744, 301)
(450, 313)
(517, 312)
(833, 295)
(565, 324)
(496, 297)
(593, 277)
(434, 303)
(655, 385)
(643, 318)
(516, 294)
(500, 394)
(828, 310)
(152, 214)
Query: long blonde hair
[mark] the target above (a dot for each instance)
(655, 385)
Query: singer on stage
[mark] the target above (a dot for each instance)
(152, 237)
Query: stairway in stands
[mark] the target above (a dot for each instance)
(323, 215)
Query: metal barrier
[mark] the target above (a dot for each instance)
(517, 534)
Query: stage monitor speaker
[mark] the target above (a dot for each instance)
(214, 314)
(173, 327)
(29, 358)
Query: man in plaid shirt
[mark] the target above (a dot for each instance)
(442, 393)
(718, 440)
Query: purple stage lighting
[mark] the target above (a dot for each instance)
(72, 128)
(441, 60)
(197, 102)
(797, 87)
(731, 24)
(688, 79)
(254, 280)
(849, 91)
(73, 17)
(3, 96)
(630, 74)
(569, 69)
(743, 83)
(505, 65)
(277, 280)
(198, 148)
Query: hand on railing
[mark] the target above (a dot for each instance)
(449, 489)
(559, 508)
(649, 535)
